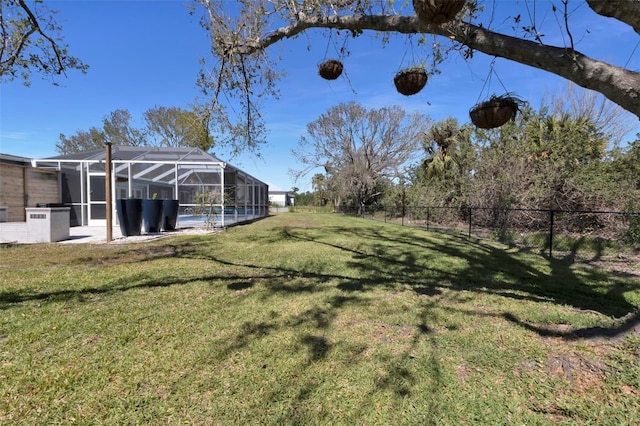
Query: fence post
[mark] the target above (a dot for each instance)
(551, 217)
(428, 216)
(469, 222)
(403, 206)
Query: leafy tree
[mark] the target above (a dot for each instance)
(116, 129)
(543, 160)
(629, 163)
(613, 122)
(443, 177)
(31, 43)
(173, 126)
(119, 130)
(89, 140)
(503, 170)
(359, 147)
(547, 161)
(320, 189)
(304, 199)
(624, 169)
(164, 127)
(241, 32)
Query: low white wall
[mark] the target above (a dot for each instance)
(43, 225)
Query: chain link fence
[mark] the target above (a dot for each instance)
(547, 229)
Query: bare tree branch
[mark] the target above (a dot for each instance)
(620, 85)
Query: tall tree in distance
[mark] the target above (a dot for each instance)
(165, 126)
(359, 148)
(117, 129)
(173, 126)
(83, 140)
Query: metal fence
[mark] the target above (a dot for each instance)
(529, 227)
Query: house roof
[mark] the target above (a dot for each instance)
(14, 159)
(143, 153)
(152, 163)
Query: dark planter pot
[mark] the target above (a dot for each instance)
(129, 212)
(170, 214)
(152, 215)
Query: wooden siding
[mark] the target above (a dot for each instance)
(22, 187)
(12, 191)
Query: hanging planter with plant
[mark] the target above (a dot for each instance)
(496, 111)
(437, 11)
(410, 81)
(330, 69)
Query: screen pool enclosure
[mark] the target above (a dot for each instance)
(207, 188)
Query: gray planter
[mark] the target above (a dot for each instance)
(170, 214)
(152, 215)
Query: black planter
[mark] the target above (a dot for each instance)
(170, 214)
(129, 212)
(152, 215)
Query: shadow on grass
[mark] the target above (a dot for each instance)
(415, 259)
(387, 257)
(383, 257)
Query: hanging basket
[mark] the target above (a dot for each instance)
(437, 11)
(410, 81)
(495, 112)
(330, 69)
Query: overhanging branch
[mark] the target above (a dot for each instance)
(627, 11)
(36, 27)
(620, 85)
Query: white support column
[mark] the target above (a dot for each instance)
(247, 193)
(253, 197)
(222, 195)
(129, 181)
(83, 191)
(177, 188)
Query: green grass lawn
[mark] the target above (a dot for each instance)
(307, 318)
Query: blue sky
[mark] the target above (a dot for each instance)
(144, 54)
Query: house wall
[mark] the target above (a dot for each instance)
(278, 199)
(22, 186)
(281, 199)
(12, 191)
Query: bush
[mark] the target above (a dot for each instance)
(633, 232)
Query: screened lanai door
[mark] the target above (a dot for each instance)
(96, 199)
